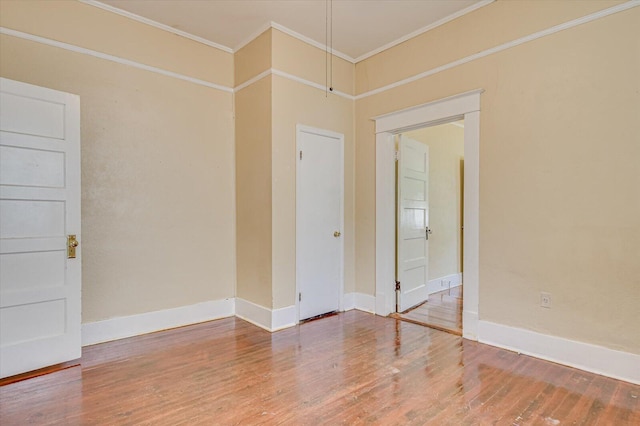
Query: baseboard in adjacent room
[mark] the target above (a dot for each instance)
(444, 283)
(584, 356)
(149, 322)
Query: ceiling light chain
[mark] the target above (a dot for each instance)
(328, 47)
(331, 47)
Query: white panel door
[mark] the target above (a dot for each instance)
(39, 207)
(413, 223)
(319, 241)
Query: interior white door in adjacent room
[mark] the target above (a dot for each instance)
(319, 221)
(39, 209)
(413, 223)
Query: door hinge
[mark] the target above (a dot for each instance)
(301, 155)
(427, 232)
(397, 285)
(396, 155)
(299, 297)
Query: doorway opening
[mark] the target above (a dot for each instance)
(429, 223)
(462, 106)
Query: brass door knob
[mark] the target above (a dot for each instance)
(72, 243)
(336, 234)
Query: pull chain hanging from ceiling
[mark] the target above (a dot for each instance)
(328, 47)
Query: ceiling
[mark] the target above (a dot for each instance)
(360, 27)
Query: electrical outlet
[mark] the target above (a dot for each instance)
(545, 300)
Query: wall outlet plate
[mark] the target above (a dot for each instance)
(545, 300)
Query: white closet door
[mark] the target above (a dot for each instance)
(319, 221)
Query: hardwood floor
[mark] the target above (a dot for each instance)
(443, 311)
(352, 368)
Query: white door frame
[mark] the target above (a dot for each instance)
(467, 106)
(327, 133)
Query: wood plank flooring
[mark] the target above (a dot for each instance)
(443, 311)
(353, 368)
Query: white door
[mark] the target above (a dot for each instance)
(39, 207)
(319, 240)
(413, 223)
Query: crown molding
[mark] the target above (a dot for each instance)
(155, 24)
(296, 35)
(282, 28)
(312, 42)
(257, 33)
(112, 58)
(423, 30)
(552, 30)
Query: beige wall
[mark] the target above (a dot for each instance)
(157, 159)
(82, 25)
(253, 58)
(302, 60)
(558, 172)
(254, 192)
(501, 22)
(446, 153)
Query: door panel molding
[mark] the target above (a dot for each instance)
(40, 315)
(411, 239)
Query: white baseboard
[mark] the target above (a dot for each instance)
(149, 322)
(365, 302)
(381, 305)
(348, 301)
(470, 325)
(253, 313)
(596, 359)
(270, 320)
(283, 318)
(584, 356)
(359, 301)
(440, 284)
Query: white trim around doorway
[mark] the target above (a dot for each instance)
(467, 106)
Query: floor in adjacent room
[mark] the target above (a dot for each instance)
(443, 311)
(351, 368)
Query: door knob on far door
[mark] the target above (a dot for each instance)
(72, 243)
(337, 234)
(427, 232)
